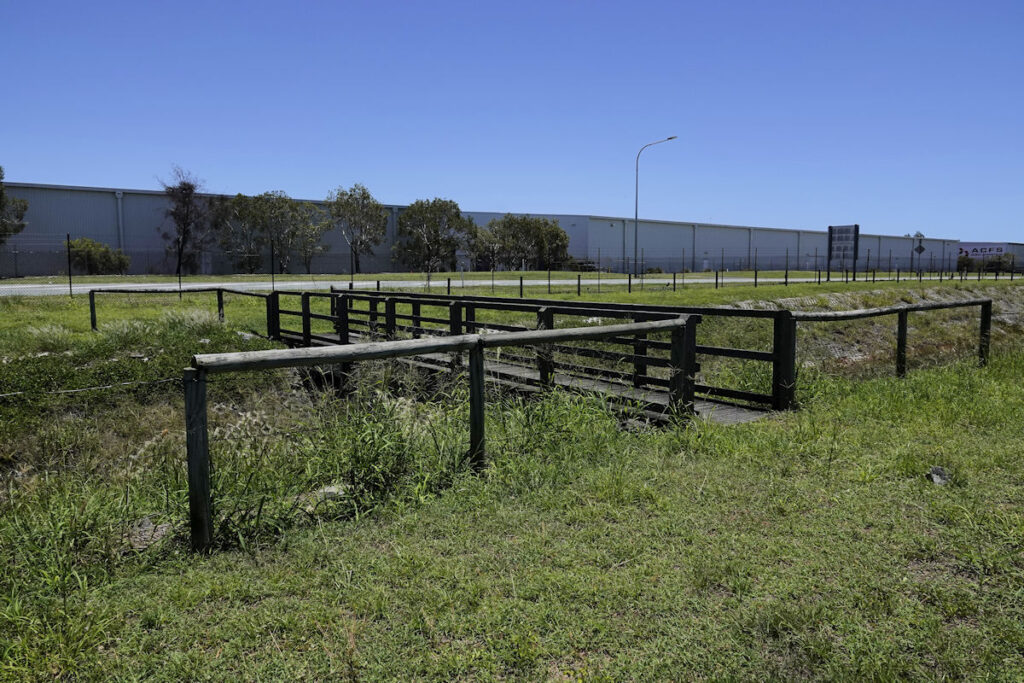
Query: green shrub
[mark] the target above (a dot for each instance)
(96, 258)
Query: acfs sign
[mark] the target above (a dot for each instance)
(983, 249)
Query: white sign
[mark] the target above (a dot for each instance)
(983, 249)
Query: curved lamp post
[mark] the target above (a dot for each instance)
(636, 203)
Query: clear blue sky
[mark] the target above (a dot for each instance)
(900, 116)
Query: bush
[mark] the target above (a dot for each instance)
(96, 258)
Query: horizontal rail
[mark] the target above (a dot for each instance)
(745, 354)
(827, 316)
(278, 358)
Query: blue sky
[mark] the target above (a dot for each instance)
(900, 116)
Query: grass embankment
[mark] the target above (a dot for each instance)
(808, 544)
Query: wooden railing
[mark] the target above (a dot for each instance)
(681, 384)
(901, 312)
(220, 292)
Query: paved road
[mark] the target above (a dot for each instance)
(259, 286)
(263, 285)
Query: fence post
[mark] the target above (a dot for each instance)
(390, 327)
(273, 316)
(901, 344)
(629, 283)
(673, 282)
(469, 318)
(92, 309)
(477, 439)
(520, 286)
(220, 304)
(684, 365)
(449, 286)
(341, 319)
(416, 322)
(985, 333)
(579, 279)
(639, 352)
(198, 449)
(545, 357)
(784, 361)
(307, 324)
(455, 318)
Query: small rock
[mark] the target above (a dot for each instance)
(938, 475)
(204, 341)
(246, 335)
(314, 499)
(145, 533)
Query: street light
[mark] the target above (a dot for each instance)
(636, 204)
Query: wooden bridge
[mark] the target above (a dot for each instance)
(630, 370)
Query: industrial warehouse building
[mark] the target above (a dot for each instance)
(132, 220)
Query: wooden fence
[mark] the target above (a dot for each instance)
(901, 312)
(681, 384)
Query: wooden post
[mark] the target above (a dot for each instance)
(639, 352)
(684, 364)
(341, 319)
(716, 279)
(307, 323)
(390, 325)
(545, 358)
(901, 344)
(629, 283)
(455, 318)
(449, 286)
(92, 309)
(784, 361)
(273, 316)
(477, 438)
(985, 335)
(220, 304)
(673, 282)
(197, 447)
(579, 280)
(416, 322)
(520, 286)
(469, 318)
(378, 285)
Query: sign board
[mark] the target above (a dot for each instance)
(983, 249)
(843, 241)
(919, 249)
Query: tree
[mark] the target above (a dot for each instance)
(240, 233)
(430, 232)
(12, 213)
(361, 219)
(537, 242)
(277, 216)
(192, 218)
(314, 222)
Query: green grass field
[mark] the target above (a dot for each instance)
(806, 545)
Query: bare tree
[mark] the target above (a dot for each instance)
(191, 216)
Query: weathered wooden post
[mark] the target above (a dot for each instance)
(341, 319)
(449, 286)
(273, 316)
(684, 365)
(454, 318)
(92, 309)
(197, 447)
(416, 322)
(220, 304)
(639, 353)
(784, 361)
(629, 283)
(307, 323)
(520, 286)
(673, 282)
(545, 357)
(579, 283)
(985, 335)
(477, 438)
(901, 344)
(390, 325)
(469, 318)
